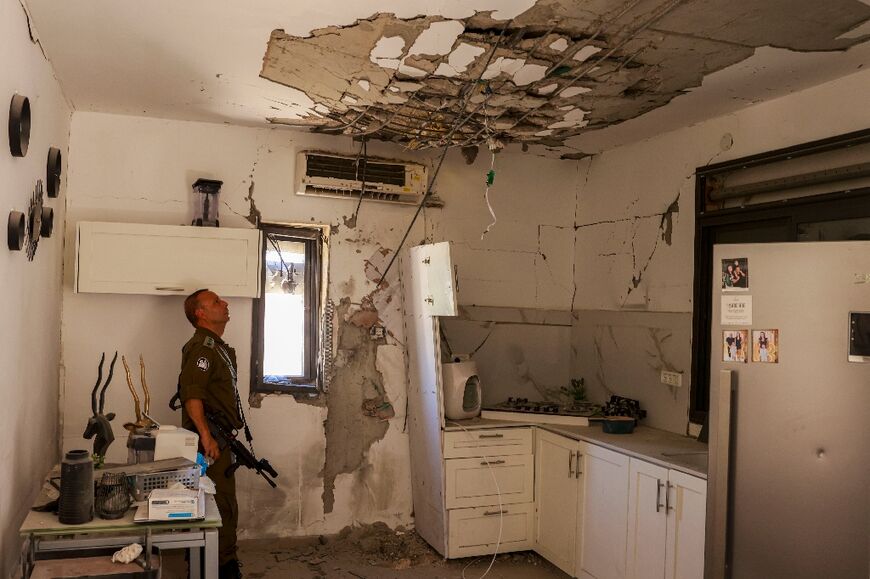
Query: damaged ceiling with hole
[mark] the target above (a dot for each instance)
(561, 76)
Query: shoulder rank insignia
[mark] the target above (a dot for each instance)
(208, 342)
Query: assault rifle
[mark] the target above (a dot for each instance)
(244, 457)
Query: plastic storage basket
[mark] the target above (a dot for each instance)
(145, 483)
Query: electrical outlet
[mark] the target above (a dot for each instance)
(377, 332)
(672, 378)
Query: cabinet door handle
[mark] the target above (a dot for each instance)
(490, 462)
(578, 472)
(491, 436)
(571, 464)
(659, 485)
(668, 506)
(493, 513)
(169, 289)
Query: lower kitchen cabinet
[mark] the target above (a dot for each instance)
(666, 518)
(604, 497)
(557, 487)
(483, 530)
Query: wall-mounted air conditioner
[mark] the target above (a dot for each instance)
(332, 175)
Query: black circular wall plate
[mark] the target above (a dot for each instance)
(16, 231)
(19, 125)
(52, 172)
(47, 225)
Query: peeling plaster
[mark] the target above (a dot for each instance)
(356, 378)
(634, 59)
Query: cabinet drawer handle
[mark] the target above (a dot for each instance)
(169, 289)
(570, 464)
(659, 485)
(578, 472)
(491, 436)
(491, 462)
(493, 513)
(668, 506)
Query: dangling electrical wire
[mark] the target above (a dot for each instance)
(365, 162)
(490, 176)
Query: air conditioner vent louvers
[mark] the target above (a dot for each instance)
(341, 176)
(348, 168)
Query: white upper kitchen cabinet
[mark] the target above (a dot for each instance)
(557, 486)
(130, 258)
(604, 526)
(433, 266)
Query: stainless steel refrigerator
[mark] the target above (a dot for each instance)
(789, 470)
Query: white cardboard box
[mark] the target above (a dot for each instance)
(176, 504)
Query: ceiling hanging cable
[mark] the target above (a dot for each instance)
(365, 161)
(490, 176)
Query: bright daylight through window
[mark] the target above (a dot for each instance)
(286, 317)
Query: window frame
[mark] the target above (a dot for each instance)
(310, 383)
(788, 213)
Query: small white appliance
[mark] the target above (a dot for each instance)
(462, 394)
(175, 442)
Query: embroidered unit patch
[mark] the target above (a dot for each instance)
(202, 363)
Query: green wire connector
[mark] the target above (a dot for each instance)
(490, 177)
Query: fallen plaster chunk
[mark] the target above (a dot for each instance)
(560, 45)
(438, 39)
(568, 125)
(567, 108)
(572, 91)
(586, 52)
(393, 88)
(322, 109)
(545, 133)
(503, 65)
(364, 84)
(548, 89)
(349, 99)
(529, 73)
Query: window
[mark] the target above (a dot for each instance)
(287, 315)
(812, 205)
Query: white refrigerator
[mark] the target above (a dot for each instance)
(789, 466)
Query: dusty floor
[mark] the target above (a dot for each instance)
(369, 552)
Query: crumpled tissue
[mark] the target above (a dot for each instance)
(127, 554)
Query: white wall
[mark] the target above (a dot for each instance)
(624, 194)
(131, 169)
(29, 291)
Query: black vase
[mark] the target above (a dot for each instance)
(76, 503)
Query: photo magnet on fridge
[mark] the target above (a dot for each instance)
(735, 274)
(735, 345)
(765, 346)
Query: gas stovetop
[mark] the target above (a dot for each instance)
(524, 410)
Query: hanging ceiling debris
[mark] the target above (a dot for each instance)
(553, 72)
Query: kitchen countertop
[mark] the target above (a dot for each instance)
(652, 445)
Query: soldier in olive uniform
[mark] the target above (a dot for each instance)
(208, 381)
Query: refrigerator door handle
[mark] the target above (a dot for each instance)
(659, 485)
(715, 546)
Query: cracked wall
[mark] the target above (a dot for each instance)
(552, 72)
(634, 243)
(31, 290)
(338, 464)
